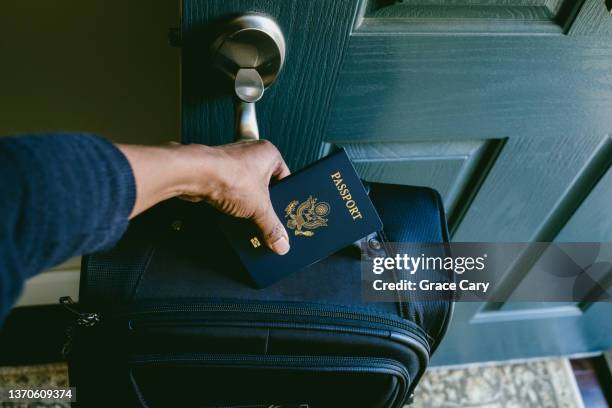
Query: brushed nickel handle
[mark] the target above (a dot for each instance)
(246, 127)
(250, 51)
(249, 89)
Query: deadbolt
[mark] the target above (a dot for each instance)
(251, 52)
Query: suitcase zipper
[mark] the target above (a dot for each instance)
(88, 320)
(288, 310)
(348, 363)
(136, 324)
(82, 319)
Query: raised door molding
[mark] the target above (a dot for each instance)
(455, 169)
(536, 17)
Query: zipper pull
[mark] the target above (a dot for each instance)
(83, 319)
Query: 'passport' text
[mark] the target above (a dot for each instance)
(345, 194)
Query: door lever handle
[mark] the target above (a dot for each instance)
(250, 50)
(249, 88)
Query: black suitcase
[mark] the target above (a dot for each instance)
(167, 319)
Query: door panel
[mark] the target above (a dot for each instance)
(592, 220)
(593, 19)
(468, 16)
(504, 107)
(495, 331)
(455, 169)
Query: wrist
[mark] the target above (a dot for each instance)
(196, 170)
(160, 173)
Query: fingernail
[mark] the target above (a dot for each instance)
(280, 246)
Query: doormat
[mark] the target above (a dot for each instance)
(36, 376)
(548, 383)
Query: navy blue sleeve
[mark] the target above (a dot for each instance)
(61, 195)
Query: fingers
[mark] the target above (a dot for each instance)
(281, 170)
(273, 230)
(277, 164)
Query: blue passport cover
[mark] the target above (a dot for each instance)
(324, 208)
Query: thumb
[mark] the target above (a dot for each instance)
(273, 230)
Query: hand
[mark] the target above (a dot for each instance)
(233, 178)
(237, 181)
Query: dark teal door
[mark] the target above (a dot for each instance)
(504, 107)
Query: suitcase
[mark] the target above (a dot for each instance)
(167, 318)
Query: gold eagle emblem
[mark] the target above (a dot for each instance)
(307, 216)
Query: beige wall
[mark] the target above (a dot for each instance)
(100, 66)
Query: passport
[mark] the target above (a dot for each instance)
(324, 208)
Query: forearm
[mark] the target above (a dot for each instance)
(157, 171)
(163, 172)
(60, 196)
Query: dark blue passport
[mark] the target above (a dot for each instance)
(324, 208)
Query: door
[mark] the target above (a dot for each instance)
(504, 107)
